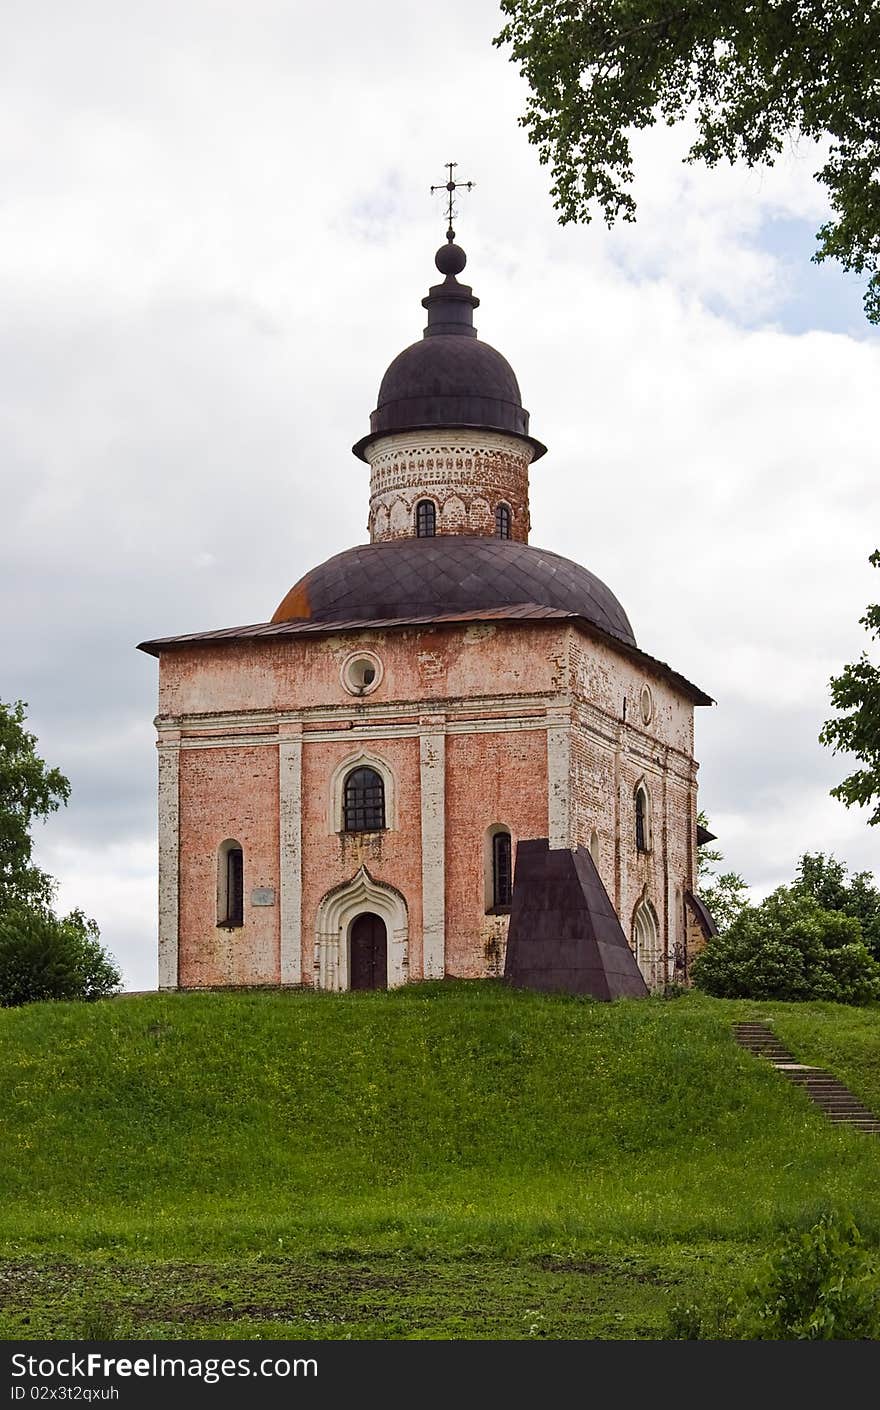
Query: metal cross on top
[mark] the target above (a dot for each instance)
(452, 186)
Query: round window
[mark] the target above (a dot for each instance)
(646, 705)
(361, 672)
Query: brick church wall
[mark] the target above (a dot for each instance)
(514, 702)
(491, 779)
(228, 794)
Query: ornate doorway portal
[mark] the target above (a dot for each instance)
(368, 967)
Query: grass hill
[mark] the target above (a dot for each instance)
(445, 1160)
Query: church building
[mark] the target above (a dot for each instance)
(343, 787)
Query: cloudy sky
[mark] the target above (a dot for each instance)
(216, 229)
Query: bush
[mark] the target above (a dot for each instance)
(788, 947)
(44, 957)
(821, 1285)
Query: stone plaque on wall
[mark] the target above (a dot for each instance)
(263, 896)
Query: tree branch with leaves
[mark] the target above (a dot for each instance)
(753, 75)
(856, 691)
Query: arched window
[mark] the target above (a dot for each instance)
(502, 871)
(230, 885)
(364, 801)
(502, 521)
(426, 519)
(643, 819)
(498, 869)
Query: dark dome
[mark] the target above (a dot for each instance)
(449, 378)
(449, 381)
(402, 579)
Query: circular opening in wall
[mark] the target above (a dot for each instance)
(646, 705)
(361, 673)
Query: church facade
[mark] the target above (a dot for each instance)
(342, 788)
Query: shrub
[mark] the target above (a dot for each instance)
(44, 957)
(788, 947)
(821, 1285)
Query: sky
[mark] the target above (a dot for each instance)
(215, 232)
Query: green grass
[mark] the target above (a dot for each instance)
(445, 1160)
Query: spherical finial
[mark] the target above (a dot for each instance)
(450, 259)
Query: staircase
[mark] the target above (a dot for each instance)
(835, 1100)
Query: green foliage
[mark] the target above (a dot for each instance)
(707, 857)
(44, 957)
(826, 880)
(725, 894)
(28, 790)
(788, 947)
(857, 692)
(749, 76)
(454, 1114)
(453, 1159)
(820, 1284)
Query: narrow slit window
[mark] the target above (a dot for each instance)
(364, 801)
(641, 822)
(426, 519)
(230, 888)
(502, 872)
(502, 521)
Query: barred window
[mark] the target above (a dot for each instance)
(502, 521)
(426, 519)
(364, 801)
(502, 872)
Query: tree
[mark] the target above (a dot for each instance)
(726, 893)
(788, 947)
(42, 956)
(750, 74)
(857, 691)
(29, 789)
(827, 881)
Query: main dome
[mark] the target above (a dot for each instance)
(409, 578)
(449, 378)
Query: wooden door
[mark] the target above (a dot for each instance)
(369, 953)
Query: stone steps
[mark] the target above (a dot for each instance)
(823, 1088)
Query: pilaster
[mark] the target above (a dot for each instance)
(169, 857)
(559, 778)
(290, 852)
(432, 778)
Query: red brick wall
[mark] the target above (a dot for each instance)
(490, 778)
(228, 793)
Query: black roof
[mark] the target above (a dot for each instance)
(431, 577)
(449, 379)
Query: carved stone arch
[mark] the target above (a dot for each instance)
(361, 759)
(337, 912)
(646, 942)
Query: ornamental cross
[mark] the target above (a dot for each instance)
(452, 186)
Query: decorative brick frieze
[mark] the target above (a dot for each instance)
(466, 475)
